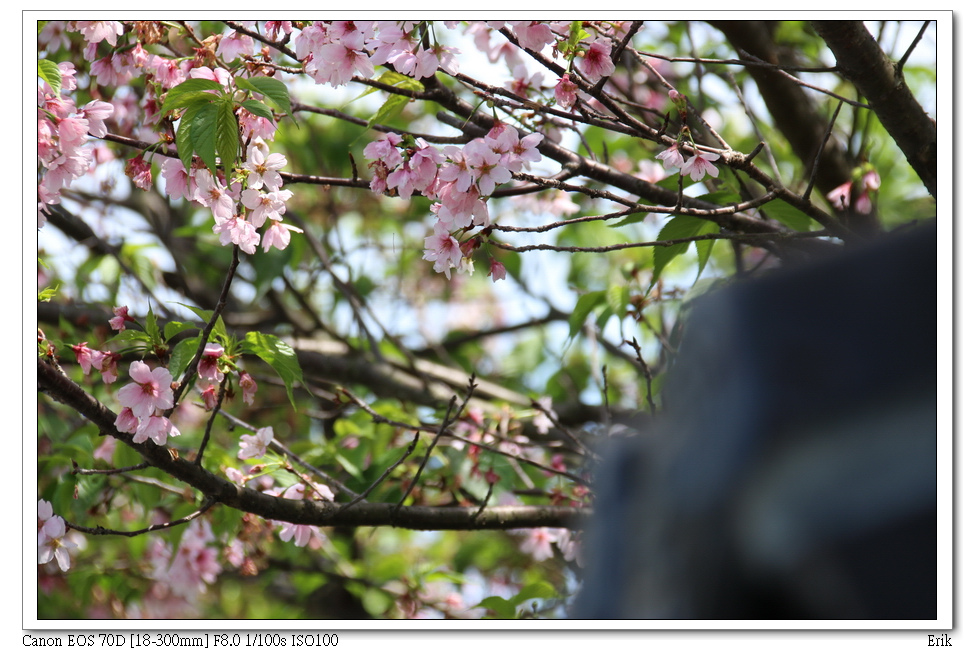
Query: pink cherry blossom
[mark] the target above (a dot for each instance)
(233, 45)
(207, 368)
(523, 84)
(51, 544)
(275, 27)
(106, 450)
(255, 446)
(485, 167)
(248, 387)
(140, 172)
(254, 126)
(839, 196)
(195, 563)
(107, 364)
(219, 75)
(385, 149)
(96, 112)
(238, 231)
(699, 165)
(596, 61)
(442, 249)
(532, 34)
(278, 235)
(208, 393)
(179, 184)
(83, 354)
(156, 428)
(672, 158)
(497, 270)
(304, 535)
(871, 181)
(96, 31)
(566, 92)
(538, 543)
(264, 205)
(126, 421)
(212, 194)
(72, 132)
(262, 168)
(120, 319)
(150, 391)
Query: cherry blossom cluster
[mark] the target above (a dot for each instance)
(538, 542)
(51, 542)
(213, 367)
(311, 536)
(865, 185)
(62, 133)
(459, 179)
(255, 446)
(260, 193)
(193, 566)
(699, 165)
(334, 52)
(143, 401)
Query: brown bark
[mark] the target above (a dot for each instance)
(315, 513)
(860, 59)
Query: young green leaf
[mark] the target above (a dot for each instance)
(203, 135)
(586, 303)
(258, 108)
(788, 215)
(273, 89)
(48, 71)
(280, 356)
(189, 92)
(679, 227)
(392, 107)
(227, 136)
(182, 354)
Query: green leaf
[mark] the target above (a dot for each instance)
(45, 295)
(189, 92)
(273, 89)
(679, 227)
(182, 354)
(618, 299)
(500, 606)
(184, 145)
(227, 136)
(173, 328)
(258, 108)
(203, 135)
(152, 328)
(280, 356)
(506, 608)
(721, 197)
(48, 71)
(392, 107)
(204, 314)
(788, 215)
(631, 219)
(586, 303)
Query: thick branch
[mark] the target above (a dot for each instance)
(860, 59)
(795, 114)
(314, 513)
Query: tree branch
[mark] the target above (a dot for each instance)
(298, 511)
(860, 59)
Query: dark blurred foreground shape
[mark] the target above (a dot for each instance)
(793, 475)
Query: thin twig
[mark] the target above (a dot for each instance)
(389, 470)
(426, 457)
(100, 530)
(822, 146)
